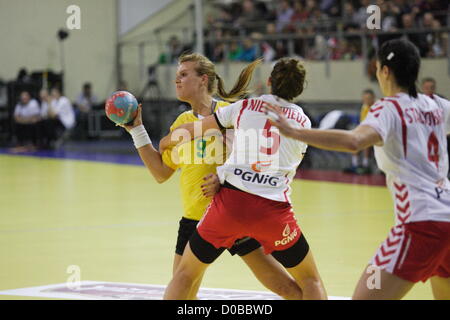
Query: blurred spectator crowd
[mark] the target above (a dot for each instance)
(246, 29)
(41, 125)
(48, 119)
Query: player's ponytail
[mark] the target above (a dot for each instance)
(240, 88)
(215, 82)
(403, 59)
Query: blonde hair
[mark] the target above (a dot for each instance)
(215, 82)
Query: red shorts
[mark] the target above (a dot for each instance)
(235, 214)
(416, 251)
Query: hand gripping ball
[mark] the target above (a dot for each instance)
(121, 107)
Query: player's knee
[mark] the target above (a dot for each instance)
(288, 290)
(311, 283)
(185, 278)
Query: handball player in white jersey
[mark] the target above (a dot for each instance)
(254, 198)
(409, 133)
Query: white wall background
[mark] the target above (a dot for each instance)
(134, 12)
(28, 39)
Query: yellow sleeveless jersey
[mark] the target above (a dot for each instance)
(364, 111)
(195, 159)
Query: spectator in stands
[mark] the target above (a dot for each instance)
(360, 17)
(427, 20)
(319, 48)
(218, 53)
(86, 99)
(175, 49)
(59, 118)
(436, 40)
(327, 5)
(267, 14)
(223, 20)
(273, 49)
(310, 7)
(235, 51)
(389, 16)
(250, 17)
(23, 76)
(307, 46)
(26, 118)
(348, 50)
(84, 103)
(335, 48)
(284, 15)
(349, 15)
(428, 86)
(318, 18)
(249, 51)
(418, 39)
(432, 6)
(299, 16)
(403, 7)
(368, 99)
(268, 53)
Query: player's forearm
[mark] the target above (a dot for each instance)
(334, 139)
(149, 155)
(154, 163)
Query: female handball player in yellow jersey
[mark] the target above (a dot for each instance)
(196, 83)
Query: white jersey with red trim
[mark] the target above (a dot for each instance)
(262, 161)
(414, 154)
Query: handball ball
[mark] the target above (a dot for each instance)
(121, 107)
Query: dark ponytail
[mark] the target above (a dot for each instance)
(403, 59)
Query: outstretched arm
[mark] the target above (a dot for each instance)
(353, 141)
(149, 155)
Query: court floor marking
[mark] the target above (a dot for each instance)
(94, 227)
(96, 290)
(134, 160)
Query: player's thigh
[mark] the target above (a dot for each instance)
(190, 266)
(176, 262)
(378, 284)
(299, 261)
(440, 287)
(307, 276)
(306, 270)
